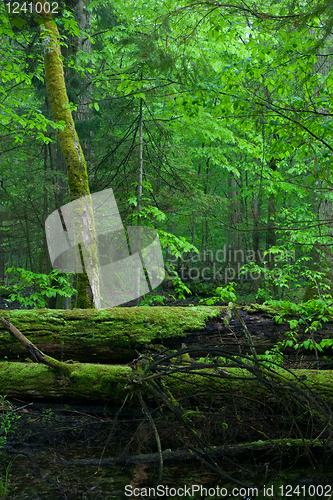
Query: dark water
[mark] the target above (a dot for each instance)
(51, 477)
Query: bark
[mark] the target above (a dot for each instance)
(118, 335)
(72, 151)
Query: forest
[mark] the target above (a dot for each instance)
(205, 125)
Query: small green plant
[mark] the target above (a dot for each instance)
(205, 360)
(180, 288)
(4, 482)
(222, 293)
(7, 418)
(48, 415)
(272, 357)
(42, 287)
(4, 479)
(263, 295)
(150, 300)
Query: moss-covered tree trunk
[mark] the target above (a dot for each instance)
(74, 157)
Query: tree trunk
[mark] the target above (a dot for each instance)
(86, 381)
(75, 161)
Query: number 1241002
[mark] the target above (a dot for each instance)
(39, 7)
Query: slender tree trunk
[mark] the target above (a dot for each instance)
(270, 232)
(233, 257)
(257, 283)
(140, 176)
(2, 254)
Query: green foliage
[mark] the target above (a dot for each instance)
(180, 287)
(263, 295)
(310, 314)
(225, 294)
(272, 358)
(150, 300)
(42, 284)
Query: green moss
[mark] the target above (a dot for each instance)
(83, 301)
(102, 379)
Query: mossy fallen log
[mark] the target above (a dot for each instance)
(117, 335)
(105, 336)
(110, 382)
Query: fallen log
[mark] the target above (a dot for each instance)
(283, 446)
(91, 382)
(106, 336)
(117, 335)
